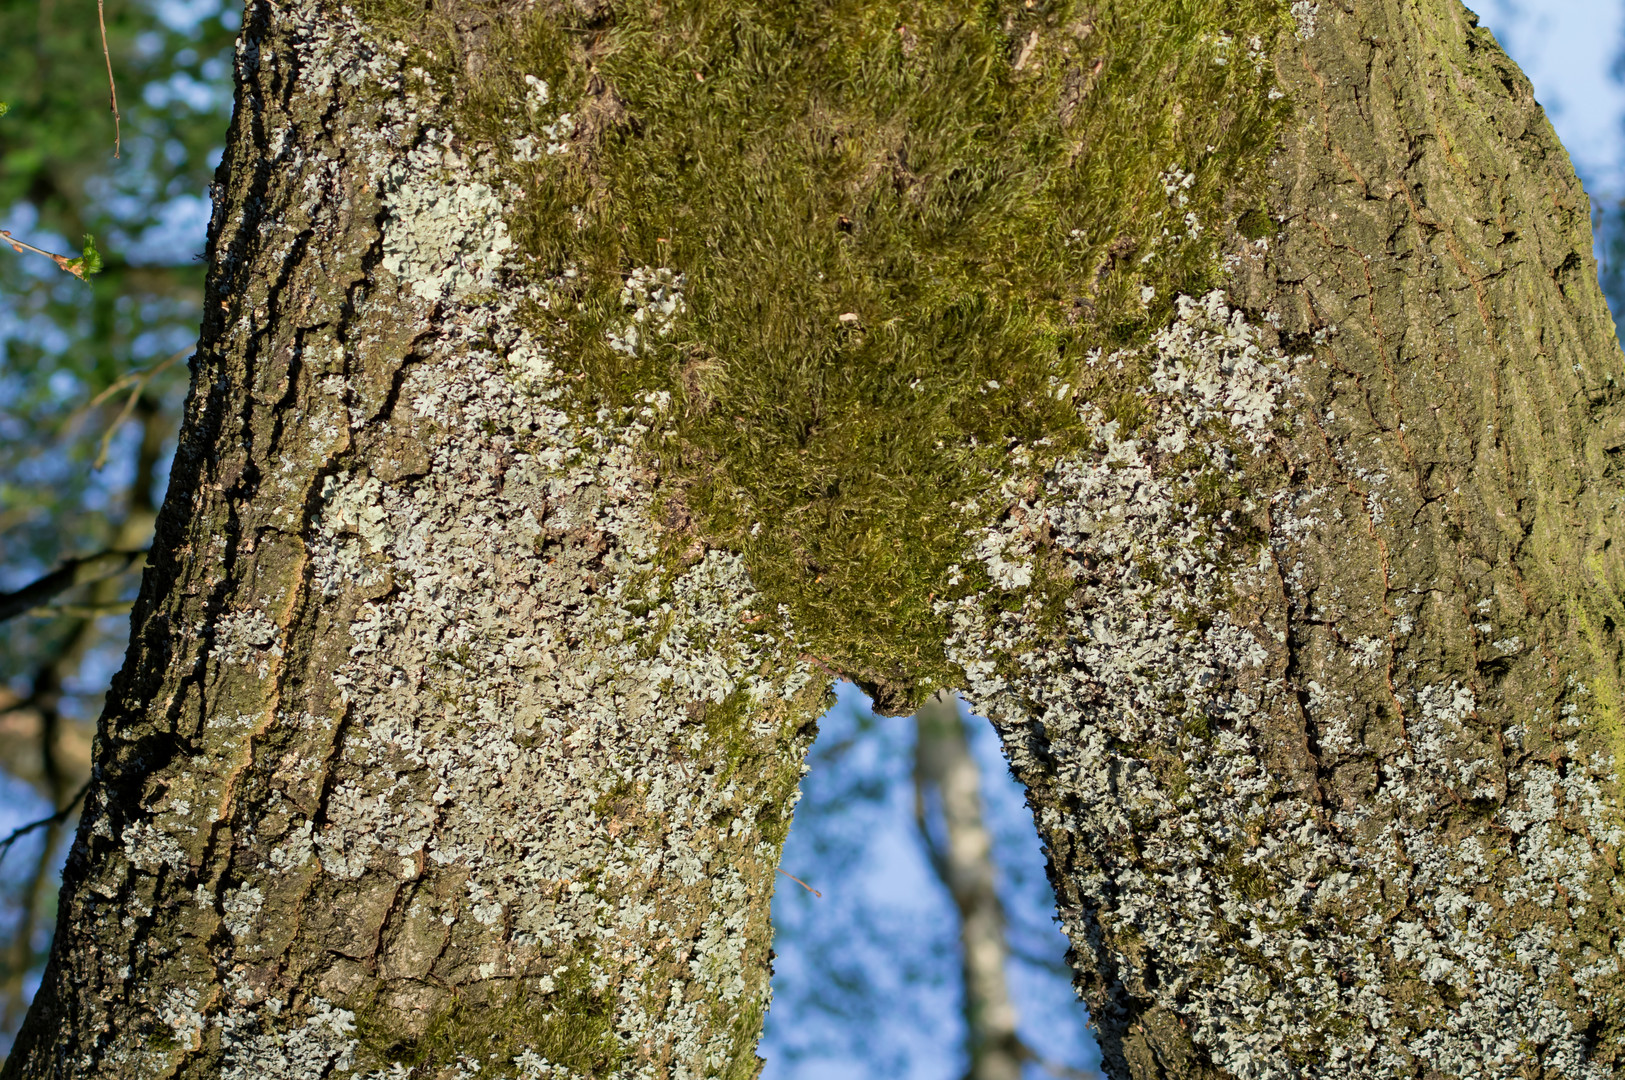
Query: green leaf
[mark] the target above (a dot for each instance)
(89, 262)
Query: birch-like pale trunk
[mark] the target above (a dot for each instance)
(1220, 392)
(945, 774)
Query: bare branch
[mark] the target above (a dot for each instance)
(80, 611)
(112, 90)
(60, 816)
(73, 572)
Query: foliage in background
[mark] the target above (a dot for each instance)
(89, 397)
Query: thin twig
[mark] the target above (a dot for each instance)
(60, 816)
(140, 380)
(72, 266)
(97, 567)
(137, 378)
(112, 90)
(80, 611)
(803, 884)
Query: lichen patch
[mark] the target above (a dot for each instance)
(445, 236)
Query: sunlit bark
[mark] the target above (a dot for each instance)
(1219, 391)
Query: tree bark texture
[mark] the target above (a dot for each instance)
(1220, 392)
(417, 757)
(1335, 790)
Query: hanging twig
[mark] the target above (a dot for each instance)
(61, 815)
(137, 381)
(803, 884)
(112, 90)
(1055, 1068)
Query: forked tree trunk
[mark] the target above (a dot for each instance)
(1219, 391)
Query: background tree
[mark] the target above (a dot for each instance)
(869, 979)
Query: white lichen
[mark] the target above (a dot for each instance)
(445, 236)
(248, 638)
(1153, 655)
(1303, 16)
(654, 296)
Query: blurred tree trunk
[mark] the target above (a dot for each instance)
(945, 774)
(1220, 390)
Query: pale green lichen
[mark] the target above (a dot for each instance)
(445, 235)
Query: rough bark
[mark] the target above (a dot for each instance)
(1333, 789)
(418, 756)
(946, 774)
(1221, 391)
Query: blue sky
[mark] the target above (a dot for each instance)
(1568, 48)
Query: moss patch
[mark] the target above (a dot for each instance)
(902, 229)
(571, 1025)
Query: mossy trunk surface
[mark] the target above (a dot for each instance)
(1218, 392)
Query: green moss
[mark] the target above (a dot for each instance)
(746, 1027)
(1249, 879)
(727, 732)
(621, 798)
(571, 1025)
(1255, 224)
(902, 226)
(769, 766)
(1604, 713)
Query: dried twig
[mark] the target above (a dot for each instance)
(112, 90)
(60, 816)
(803, 884)
(1055, 1068)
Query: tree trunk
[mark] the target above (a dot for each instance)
(1331, 788)
(963, 859)
(1220, 391)
(422, 752)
